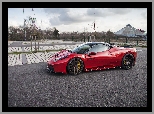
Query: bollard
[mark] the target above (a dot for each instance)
(84, 38)
(90, 38)
(31, 45)
(116, 38)
(109, 40)
(72, 38)
(35, 44)
(126, 40)
(137, 42)
(38, 45)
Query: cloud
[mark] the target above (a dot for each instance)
(138, 8)
(83, 17)
(61, 19)
(105, 12)
(94, 12)
(13, 23)
(144, 15)
(56, 10)
(120, 11)
(98, 12)
(66, 16)
(61, 16)
(54, 21)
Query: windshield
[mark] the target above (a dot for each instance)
(81, 49)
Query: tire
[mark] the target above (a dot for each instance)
(127, 61)
(75, 66)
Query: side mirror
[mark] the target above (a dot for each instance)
(92, 53)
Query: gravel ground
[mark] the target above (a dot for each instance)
(31, 86)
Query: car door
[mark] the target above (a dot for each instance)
(107, 59)
(92, 61)
(95, 61)
(104, 57)
(110, 58)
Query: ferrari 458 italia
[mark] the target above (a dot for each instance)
(92, 56)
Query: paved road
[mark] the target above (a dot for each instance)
(19, 44)
(15, 44)
(30, 86)
(24, 59)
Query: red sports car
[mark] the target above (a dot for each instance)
(92, 56)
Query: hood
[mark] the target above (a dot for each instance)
(62, 53)
(59, 55)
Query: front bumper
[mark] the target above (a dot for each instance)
(57, 68)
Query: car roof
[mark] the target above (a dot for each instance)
(98, 43)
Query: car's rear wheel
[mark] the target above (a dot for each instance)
(75, 66)
(127, 61)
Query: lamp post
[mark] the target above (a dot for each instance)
(25, 28)
(88, 37)
(85, 34)
(32, 24)
(94, 27)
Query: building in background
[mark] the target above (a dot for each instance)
(130, 31)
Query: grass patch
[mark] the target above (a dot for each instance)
(20, 52)
(54, 50)
(50, 50)
(144, 46)
(141, 46)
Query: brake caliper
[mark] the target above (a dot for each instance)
(78, 65)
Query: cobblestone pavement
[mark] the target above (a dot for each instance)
(31, 86)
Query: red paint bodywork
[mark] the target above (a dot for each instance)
(103, 60)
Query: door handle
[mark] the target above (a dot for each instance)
(91, 58)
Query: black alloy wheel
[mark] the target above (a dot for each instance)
(127, 61)
(75, 66)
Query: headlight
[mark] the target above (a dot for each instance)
(60, 58)
(56, 59)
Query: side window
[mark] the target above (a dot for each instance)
(99, 48)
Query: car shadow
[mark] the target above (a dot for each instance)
(85, 72)
(111, 69)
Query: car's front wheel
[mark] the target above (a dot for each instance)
(75, 66)
(127, 61)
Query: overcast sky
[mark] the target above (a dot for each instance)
(80, 19)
